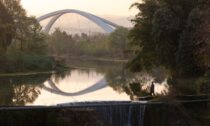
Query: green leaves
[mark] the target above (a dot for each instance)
(6, 28)
(107, 45)
(194, 47)
(173, 34)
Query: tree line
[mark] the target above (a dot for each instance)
(111, 45)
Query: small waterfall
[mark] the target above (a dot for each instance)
(129, 115)
(142, 113)
(118, 113)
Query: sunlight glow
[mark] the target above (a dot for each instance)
(98, 7)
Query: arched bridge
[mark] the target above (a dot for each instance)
(54, 89)
(103, 23)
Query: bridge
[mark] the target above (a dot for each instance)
(106, 25)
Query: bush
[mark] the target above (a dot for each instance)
(37, 62)
(18, 62)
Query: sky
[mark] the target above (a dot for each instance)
(97, 7)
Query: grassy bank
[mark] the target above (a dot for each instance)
(29, 64)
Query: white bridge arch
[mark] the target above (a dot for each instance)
(103, 23)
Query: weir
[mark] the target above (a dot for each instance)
(116, 113)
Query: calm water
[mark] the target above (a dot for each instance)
(91, 81)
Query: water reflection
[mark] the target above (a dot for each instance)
(135, 84)
(20, 90)
(107, 82)
(25, 94)
(79, 86)
(54, 89)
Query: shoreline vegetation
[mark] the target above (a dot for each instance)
(105, 59)
(31, 63)
(64, 67)
(61, 66)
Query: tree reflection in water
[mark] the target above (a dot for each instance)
(130, 83)
(134, 84)
(61, 75)
(119, 78)
(25, 94)
(20, 90)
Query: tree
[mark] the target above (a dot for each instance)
(60, 43)
(118, 40)
(28, 35)
(141, 37)
(166, 34)
(35, 42)
(6, 28)
(19, 16)
(193, 56)
(26, 46)
(173, 35)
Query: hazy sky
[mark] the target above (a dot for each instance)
(98, 7)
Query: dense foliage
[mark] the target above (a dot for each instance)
(23, 45)
(6, 28)
(173, 34)
(106, 45)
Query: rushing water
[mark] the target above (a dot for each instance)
(89, 82)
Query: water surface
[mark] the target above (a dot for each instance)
(90, 81)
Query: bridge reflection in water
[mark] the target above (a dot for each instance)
(54, 89)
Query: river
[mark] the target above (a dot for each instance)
(85, 82)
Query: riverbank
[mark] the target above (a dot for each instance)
(91, 58)
(30, 65)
